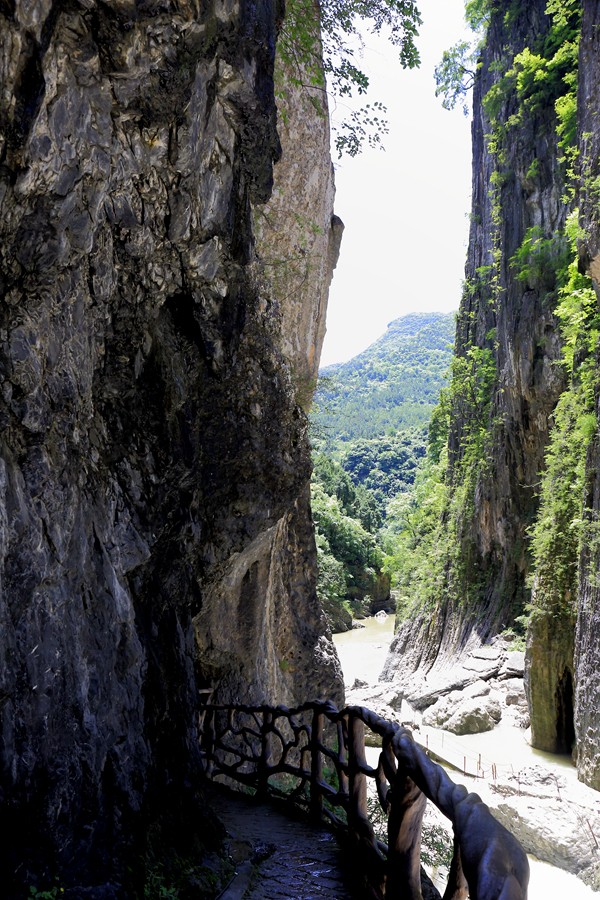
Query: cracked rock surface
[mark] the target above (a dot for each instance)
(155, 532)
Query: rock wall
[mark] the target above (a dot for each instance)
(587, 654)
(549, 677)
(521, 188)
(516, 186)
(155, 532)
(298, 237)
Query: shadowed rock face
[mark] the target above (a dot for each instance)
(549, 681)
(155, 532)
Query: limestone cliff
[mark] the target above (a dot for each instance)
(505, 378)
(298, 238)
(154, 523)
(521, 497)
(587, 660)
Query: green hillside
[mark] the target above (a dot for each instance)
(369, 424)
(393, 385)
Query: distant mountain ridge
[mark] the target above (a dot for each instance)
(369, 424)
(392, 385)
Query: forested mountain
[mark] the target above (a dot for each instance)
(371, 413)
(394, 384)
(369, 438)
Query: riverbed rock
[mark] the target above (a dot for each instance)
(513, 666)
(514, 692)
(338, 617)
(462, 714)
(384, 701)
(555, 818)
(476, 663)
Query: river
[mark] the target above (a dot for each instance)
(362, 653)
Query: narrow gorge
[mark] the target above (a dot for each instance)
(167, 242)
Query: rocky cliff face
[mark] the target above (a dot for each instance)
(155, 533)
(587, 660)
(506, 381)
(298, 238)
(524, 394)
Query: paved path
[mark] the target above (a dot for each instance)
(278, 857)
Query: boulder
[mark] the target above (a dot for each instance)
(513, 691)
(465, 715)
(513, 666)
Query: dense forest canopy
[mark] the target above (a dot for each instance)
(369, 440)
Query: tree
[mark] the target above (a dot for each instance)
(319, 45)
(455, 75)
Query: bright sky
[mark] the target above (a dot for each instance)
(405, 209)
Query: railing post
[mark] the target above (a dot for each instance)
(316, 764)
(405, 820)
(357, 800)
(369, 866)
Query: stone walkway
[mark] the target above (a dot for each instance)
(278, 857)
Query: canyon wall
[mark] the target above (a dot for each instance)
(587, 644)
(517, 542)
(155, 534)
(505, 377)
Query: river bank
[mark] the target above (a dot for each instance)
(530, 792)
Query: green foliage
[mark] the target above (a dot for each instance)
(559, 527)
(393, 386)
(336, 33)
(540, 77)
(455, 75)
(385, 466)
(427, 538)
(332, 585)
(349, 559)
(354, 499)
(361, 462)
(477, 14)
(415, 541)
(431, 551)
(349, 542)
(557, 531)
(50, 894)
(437, 844)
(539, 258)
(577, 312)
(469, 398)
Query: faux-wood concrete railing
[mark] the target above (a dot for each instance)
(314, 755)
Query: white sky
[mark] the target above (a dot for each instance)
(406, 208)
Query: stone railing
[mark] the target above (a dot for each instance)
(314, 755)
